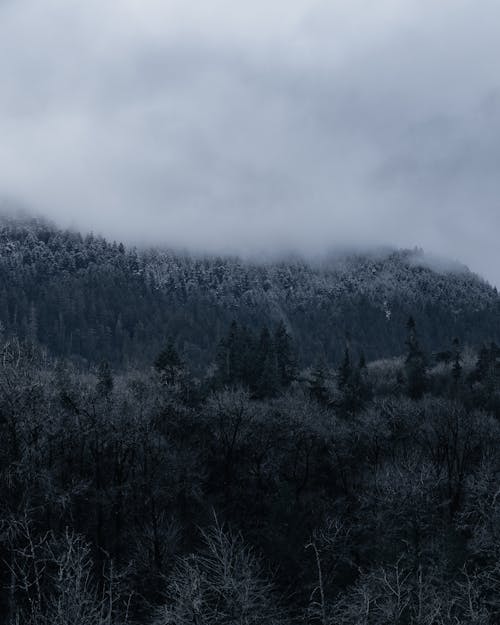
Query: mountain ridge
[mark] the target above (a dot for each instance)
(82, 296)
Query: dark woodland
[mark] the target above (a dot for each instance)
(210, 441)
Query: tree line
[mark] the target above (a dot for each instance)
(88, 299)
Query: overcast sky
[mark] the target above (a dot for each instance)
(253, 126)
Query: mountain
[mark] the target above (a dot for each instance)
(89, 299)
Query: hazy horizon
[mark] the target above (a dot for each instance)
(338, 252)
(229, 128)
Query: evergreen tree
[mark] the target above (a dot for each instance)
(400, 386)
(364, 386)
(488, 363)
(345, 370)
(63, 385)
(352, 385)
(32, 333)
(487, 378)
(456, 370)
(105, 382)
(168, 363)
(233, 354)
(285, 357)
(415, 363)
(248, 365)
(268, 380)
(317, 383)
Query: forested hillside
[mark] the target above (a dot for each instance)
(86, 298)
(203, 441)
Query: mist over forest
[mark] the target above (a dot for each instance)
(227, 127)
(204, 439)
(249, 312)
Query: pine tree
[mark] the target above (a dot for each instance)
(105, 382)
(456, 370)
(415, 363)
(222, 363)
(168, 363)
(364, 390)
(317, 383)
(345, 370)
(487, 377)
(286, 361)
(233, 355)
(33, 324)
(352, 385)
(268, 380)
(248, 367)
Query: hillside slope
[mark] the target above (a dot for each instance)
(87, 298)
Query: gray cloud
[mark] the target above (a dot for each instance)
(243, 127)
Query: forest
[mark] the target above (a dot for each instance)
(365, 493)
(88, 300)
(213, 442)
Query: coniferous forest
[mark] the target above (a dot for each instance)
(210, 441)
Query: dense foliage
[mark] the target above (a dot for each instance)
(89, 300)
(367, 494)
(212, 442)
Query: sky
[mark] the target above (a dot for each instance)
(256, 127)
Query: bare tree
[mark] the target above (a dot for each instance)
(222, 585)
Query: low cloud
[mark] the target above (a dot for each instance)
(228, 126)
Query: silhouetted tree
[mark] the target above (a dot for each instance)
(268, 380)
(168, 363)
(285, 356)
(317, 383)
(105, 382)
(345, 371)
(456, 371)
(415, 363)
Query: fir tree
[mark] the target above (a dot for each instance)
(317, 383)
(345, 370)
(268, 378)
(456, 370)
(168, 363)
(285, 357)
(415, 363)
(352, 385)
(105, 382)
